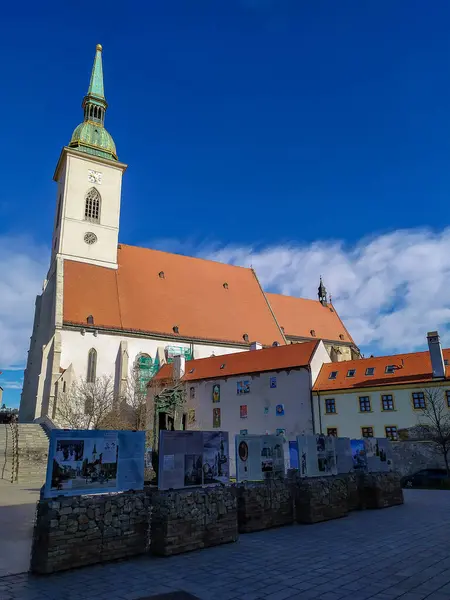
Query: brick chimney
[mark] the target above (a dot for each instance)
(179, 367)
(255, 346)
(435, 349)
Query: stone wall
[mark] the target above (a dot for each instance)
(83, 530)
(351, 482)
(320, 499)
(184, 520)
(412, 456)
(262, 505)
(380, 490)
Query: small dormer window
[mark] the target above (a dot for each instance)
(276, 344)
(90, 320)
(390, 369)
(222, 366)
(225, 285)
(191, 371)
(161, 275)
(245, 337)
(446, 362)
(341, 336)
(282, 329)
(176, 329)
(370, 370)
(351, 372)
(313, 332)
(333, 375)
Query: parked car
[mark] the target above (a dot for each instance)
(427, 478)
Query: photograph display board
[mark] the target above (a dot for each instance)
(259, 457)
(373, 455)
(192, 458)
(344, 459)
(94, 462)
(317, 455)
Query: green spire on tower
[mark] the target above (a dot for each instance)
(91, 136)
(96, 84)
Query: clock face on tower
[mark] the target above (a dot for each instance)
(95, 176)
(90, 238)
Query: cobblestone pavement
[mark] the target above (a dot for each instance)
(401, 552)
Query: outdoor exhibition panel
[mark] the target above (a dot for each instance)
(192, 458)
(94, 462)
(259, 457)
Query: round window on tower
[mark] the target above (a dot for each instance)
(90, 238)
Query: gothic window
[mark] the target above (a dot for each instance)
(144, 364)
(92, 365)
(92, 206)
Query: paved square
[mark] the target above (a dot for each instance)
(401, 552)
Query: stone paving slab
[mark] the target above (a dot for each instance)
(397, 553)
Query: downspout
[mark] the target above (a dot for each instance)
(320, 411)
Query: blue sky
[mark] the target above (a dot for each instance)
(301, 137)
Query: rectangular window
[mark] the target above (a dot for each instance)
(390, 369)
(333, 375)
(330, 405)
(364, 404)
(367, 432)
(419, 400)
(391, 432)
(332, 431)
(370, 370)
(387, 402)
(351, 372)
(447, 395)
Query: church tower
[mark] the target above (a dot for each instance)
(89, 179)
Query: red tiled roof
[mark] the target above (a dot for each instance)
(240, 363)
(299, 315)
(414, 367)
(191, 295)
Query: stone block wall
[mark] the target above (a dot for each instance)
(189, 519)
(83, 530)
(262, 505)
(320, 499)
(351, 482)
(412, 456)
(380, 490)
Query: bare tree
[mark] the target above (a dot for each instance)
(133, 401)
(88, 405)
(434, 422)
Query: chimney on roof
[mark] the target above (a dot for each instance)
(179, 367)
(435, 349)
(255, 346)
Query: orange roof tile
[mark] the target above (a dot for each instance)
(190, 295)
(298, 316)
(240, 363)
(414, 367)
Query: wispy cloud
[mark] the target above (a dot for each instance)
(11, 385)
(390, 289)
(24, 266)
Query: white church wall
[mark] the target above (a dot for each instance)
(75, 348)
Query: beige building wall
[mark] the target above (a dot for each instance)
(349, 420)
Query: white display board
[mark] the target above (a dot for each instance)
(94, 462)
(344, 459)
(372, 455)
(192, 458)
(316, 455)
(259, 457)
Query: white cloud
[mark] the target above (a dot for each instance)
(23, 268)
(11, 385)
(389, 290)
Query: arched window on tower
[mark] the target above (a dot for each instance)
(92, 206)
(92, 366)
